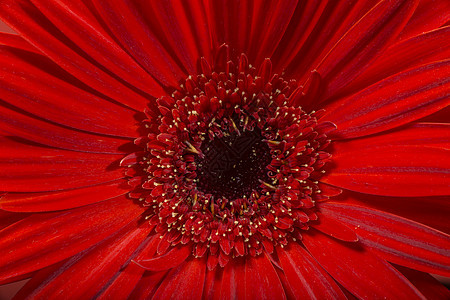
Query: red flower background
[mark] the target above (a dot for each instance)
(104, 113)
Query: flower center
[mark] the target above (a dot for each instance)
(233, 163)
(229, 163)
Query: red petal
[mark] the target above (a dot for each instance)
(16, 41)
(52, 169)
(211, 278)
(25, 84)
(15, 280)
(169, 21)
(302, 23)
(212, 261)
(329, 190)
(313, 89)
(363, 42)
(436, 135)
(431, 211)
(7, 218)
(85, 274)
(230, 282)
(36, 29)
(131, 159)
(20, 125)
(78, 24)
(359, 271)
(225, 245)
(148, 285)
(334, 228)
(239, 245)
(231, 23)
(127, 23)
(51, 237)
(272, 30)
(305, 276)
(314, 29)
(171, 259)
(128, 278)
(438, 117)
(261, 279)
(184, 282)
(391, 170)
(395, 101)
(429, 15)
(194, 17)
(397, 239)
(410, 53)
(36, 279)
(42, 202)
(426, 284)
(286, 286)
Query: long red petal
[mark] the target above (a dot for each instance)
(334, 228)
(429, 15)
(53, 169)
(193, 18)
(272, 30)
(211, 278)
(359, 271)
(25, 84)
(398, 240)
(435, 135)
(395, 101)
(420, 209)
(234, 23)
(169, 21)
(261, 279)
(306, 277)
(129, 277)
(36, 279)
(363, 42)
(184, 282)
(303, 22)
(84, 275)
(52, 201)
(169, 260)
(148, 285)
(438, 117)
(407, 54)
(17, 278)
(26, 245)
(16, 41)
(314, 30)
(391, 170)
(229, 281)
(33, 129)
(26, 19)
(426, 284)
(78, 24)
(286, 286)
(7, 218)
(128, 25)
(123, 284)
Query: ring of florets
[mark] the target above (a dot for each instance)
(166, 176)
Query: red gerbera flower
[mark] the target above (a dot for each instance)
(225, 149)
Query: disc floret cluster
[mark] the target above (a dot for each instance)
(229, 162)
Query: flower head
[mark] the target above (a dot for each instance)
(214, 149)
